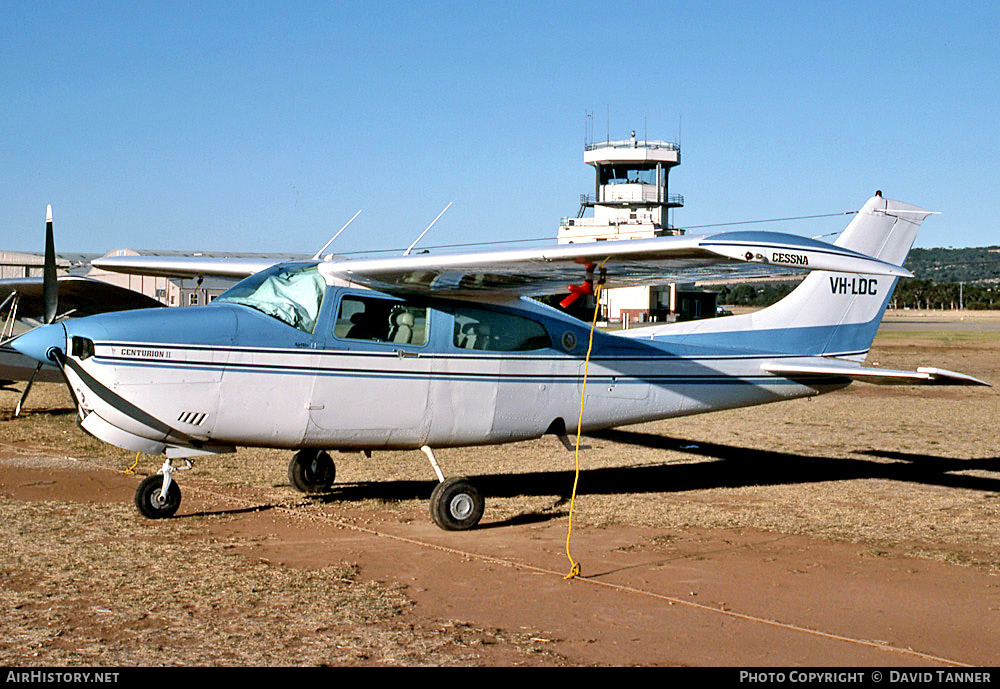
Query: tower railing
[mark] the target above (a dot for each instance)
(647, 197)
(632, 143)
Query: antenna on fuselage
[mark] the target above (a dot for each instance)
(410, 247)
(320, 252)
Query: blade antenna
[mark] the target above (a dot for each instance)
(410, 247)
(320, 252)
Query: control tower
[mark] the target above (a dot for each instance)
(631, 200)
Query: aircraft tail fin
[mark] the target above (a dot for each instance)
(841, 313)
(831, 314)
(884, 228)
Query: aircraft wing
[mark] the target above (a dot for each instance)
(878, 376)
(549, 270)
(81, 295)
(185, 266)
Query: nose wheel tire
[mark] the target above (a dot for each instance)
(456, 505)
(311, 471)
(149, 501)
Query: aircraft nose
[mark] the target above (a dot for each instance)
(39, 342)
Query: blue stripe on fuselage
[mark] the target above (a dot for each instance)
(853, 338)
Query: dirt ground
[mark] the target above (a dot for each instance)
(858, 528)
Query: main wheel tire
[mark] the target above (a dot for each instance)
(311, 471)
(149, 502)
(456, 505)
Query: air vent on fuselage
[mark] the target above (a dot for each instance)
(192, 417)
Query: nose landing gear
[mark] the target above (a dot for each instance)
(158, 496)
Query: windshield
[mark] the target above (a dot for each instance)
(290, 293)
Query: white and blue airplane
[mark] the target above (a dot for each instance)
(430, 351)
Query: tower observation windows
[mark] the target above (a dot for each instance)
(627, 174)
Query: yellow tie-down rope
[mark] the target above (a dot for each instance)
(574, 569)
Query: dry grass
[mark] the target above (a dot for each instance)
(147, 600)
(92, 585)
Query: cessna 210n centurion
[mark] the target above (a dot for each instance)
(430, 351)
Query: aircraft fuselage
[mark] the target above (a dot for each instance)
(208, 378)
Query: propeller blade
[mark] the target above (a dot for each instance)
(50, 283)
(27, 389)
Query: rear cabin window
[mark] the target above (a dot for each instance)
(381, 320)
(498, 332)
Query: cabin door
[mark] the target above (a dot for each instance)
(372, 378)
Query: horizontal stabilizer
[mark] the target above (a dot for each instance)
(877, 376)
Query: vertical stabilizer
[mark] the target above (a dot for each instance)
(843, 310)
(832, 314)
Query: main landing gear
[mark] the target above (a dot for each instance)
(158, 496)
(311, 471)
(456, 505)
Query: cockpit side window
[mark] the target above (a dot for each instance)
(496, 331)
(381, 320)
(292, 294)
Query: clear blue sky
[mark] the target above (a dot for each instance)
(265, 126)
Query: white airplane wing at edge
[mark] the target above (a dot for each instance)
(185, 266)
(549, 270)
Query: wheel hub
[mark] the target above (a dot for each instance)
(461, 506)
